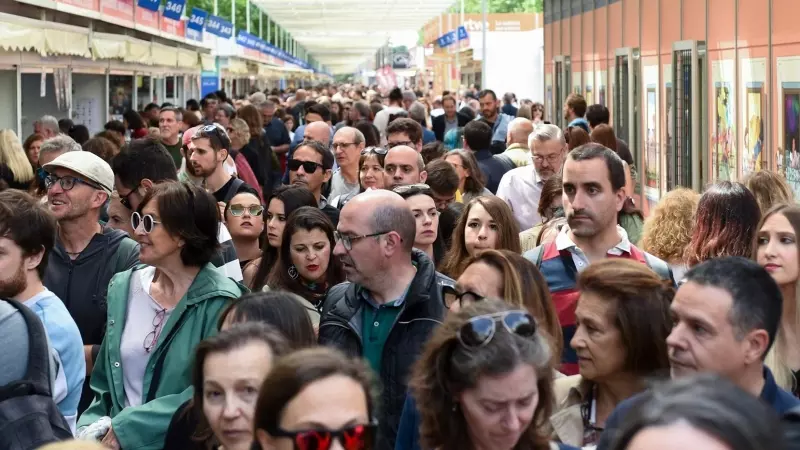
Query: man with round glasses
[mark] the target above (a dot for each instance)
(87, 254)
(392, 301)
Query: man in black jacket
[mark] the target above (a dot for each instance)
(392, 302)
(451, 119)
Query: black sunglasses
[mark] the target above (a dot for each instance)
(480, 330)
(451, 296)
(355, 437)
(308, 166)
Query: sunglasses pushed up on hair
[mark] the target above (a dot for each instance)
(479, 330)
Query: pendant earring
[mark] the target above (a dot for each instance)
(293, 272)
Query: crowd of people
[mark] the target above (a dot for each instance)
(339, 268)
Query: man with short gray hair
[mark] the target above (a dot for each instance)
(517, 140)
(391, 302)
(56, 146)
(347, 145)
(409, 97)
(521, 188)
(49, 127)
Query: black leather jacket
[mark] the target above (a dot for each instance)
(423, 310)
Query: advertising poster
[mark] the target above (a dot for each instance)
(588, 94)
(788, 156)
(723, 134)
(652, 159)
(120, 92)
(753, 127)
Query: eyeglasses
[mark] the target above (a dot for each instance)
(451, 296)
(126, 199)
(392, 145)
(551, 159)
(347, 240)
(67, 182)
(253, 210)
(308, 166)
(337, 145)
(151, 339)
(356, 437)
(147, 222)
(480, 330)
(376, 150)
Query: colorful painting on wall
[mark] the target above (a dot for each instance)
(723, 137)
(790, 160)
(752, 155)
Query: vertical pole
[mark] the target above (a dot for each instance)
(233, 16)
(484, 27)
(269, 30)
(461, 23)
(247, 15)
(260, 24)
(216, 7)
(449, 53)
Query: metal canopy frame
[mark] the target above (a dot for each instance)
(342, 34)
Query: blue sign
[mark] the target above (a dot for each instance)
(209, 82)
(452, 37)
(152, 5)
(197, 20)
(174, 9)
(219, 27)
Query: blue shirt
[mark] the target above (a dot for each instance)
(780, 400)
(65, 338)
(427, 136)
(277, 133)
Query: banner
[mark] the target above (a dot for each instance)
(452, 37)
(197, 20)
(174, 9)
(152, 5)
(219, 27)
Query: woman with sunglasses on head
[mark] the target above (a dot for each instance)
(493, 274)
(486, 223)
(157, 313)
(316, 399)
(622, 324)
(244, 217)
(284, 200)
(306, 265)
(484, 381)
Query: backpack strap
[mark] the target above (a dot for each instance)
(659, 267)
(232, 190)
(37, 374)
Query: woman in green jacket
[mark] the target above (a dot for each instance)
(157, 314)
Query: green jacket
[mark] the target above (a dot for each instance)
(167, 380)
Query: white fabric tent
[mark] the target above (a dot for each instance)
(341, 34)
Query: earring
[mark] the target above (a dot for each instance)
(293, 272)
(455, 406)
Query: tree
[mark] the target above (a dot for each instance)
(503, 6)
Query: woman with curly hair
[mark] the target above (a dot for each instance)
(485, 380)
(726, 223)
(668, 229)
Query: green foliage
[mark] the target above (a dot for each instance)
(503, 6)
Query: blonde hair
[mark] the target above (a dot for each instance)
(13, 155)
(770, 189)
(668, 230)
(776, 358)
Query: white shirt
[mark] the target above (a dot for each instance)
(563, 242)
(381, 121)
(521, 188)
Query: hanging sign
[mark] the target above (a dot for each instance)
(174, 9)
(219, 27)
(197, 20)
(152, 5)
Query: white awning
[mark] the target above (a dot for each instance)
(341, 34)
(187, 58)
(138, 52)
(14, 37)
(237, 67)
(163, 55)
(109, 46)
(208, 62)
